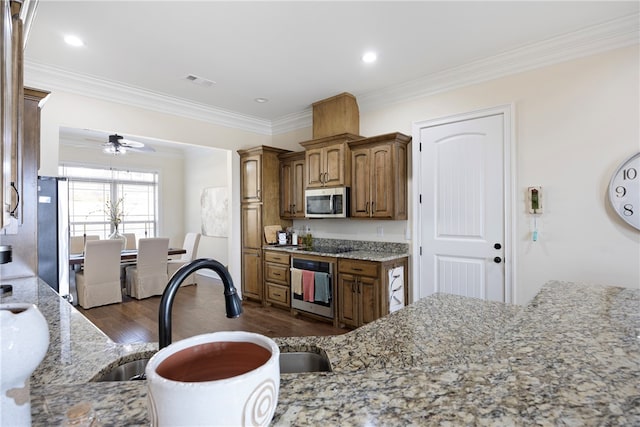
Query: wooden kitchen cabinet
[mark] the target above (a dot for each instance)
(251, 178)
(358, 292)
(292, 168)
(277, 280)
(252, 236)
(363, 290)
(252, 273)
(379, 177)
(260, 206)
(328, 161)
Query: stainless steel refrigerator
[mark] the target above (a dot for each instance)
(53, 233)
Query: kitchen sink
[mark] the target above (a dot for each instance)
(303, 361)
(127, 371)
(290, 363)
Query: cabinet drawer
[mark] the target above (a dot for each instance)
(278, 273)
(279, 257)
(278, 294)
(360, 268)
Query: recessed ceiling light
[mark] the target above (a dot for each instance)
(72, 40)
(261, 100)
(369, 57)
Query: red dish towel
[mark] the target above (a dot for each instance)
(308, 285)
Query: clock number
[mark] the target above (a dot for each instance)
(628, 210)
(629, 174)
(621, 191)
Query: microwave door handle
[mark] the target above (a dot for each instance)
(331, 203)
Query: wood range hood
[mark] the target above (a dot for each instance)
(336, 115)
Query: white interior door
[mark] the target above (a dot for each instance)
(462, 212)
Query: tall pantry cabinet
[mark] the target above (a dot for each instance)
(260, 206)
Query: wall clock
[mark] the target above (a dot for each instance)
(624, 191)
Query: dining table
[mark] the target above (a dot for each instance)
(126, 255)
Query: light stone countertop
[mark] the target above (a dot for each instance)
(570, 357)
(365, 255)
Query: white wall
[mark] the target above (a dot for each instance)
(205, 168)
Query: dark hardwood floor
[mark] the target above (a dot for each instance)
(197, 310)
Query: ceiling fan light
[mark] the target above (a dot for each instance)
(115, 150)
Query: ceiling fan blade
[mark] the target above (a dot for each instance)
(143, 149)
(130, 143)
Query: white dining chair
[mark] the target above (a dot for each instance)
(131, 241)
(191, 242)
(99, 282)
(76, 243)
(149, 276)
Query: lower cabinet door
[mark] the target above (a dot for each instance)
(368, 293)
(348, 300)
(252, 274)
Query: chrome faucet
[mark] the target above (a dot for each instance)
(232, 301)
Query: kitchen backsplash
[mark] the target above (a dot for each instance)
(350, 229)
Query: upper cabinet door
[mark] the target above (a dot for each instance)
(333, 160)
(251, 178)
(360, 178)
(315, 169)
(382, 182)
(297, 192)
(286, 197)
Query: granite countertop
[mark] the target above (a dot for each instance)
(570, 357)
(360, 250)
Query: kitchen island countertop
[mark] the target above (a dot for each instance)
(570, 357)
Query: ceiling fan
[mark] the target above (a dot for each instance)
(118, 145)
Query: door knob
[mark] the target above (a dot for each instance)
(497, 260)
(497, 246)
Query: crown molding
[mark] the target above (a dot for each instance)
(294, 121)
(54, 78)
(610, 35)
(596, 39)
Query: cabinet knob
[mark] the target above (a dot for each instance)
(497, 260)
(497, 246)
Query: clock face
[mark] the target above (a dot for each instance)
(624, 191)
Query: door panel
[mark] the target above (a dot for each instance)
(461, 276)
(252, 232)
(462, 213)
(381, 182)
(360, 178)
(313, 159)
(297, 192)
(251, 180)
(286, 185)
(334, 165)
(348, 310)
(369, 301)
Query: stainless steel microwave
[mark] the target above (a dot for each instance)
(327, 202)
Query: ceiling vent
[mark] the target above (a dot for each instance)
(199, 81)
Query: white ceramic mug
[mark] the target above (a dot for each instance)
(24, 340)
(222, 378)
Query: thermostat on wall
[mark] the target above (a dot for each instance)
(534, 200)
